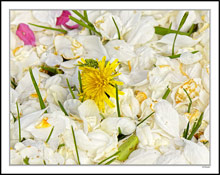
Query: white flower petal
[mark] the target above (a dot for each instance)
(167, 118)
(189, 58)
(196, 153)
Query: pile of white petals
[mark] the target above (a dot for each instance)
(146, 71)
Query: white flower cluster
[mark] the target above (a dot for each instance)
(146, 71)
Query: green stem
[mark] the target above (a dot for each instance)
(62, 108)
(119, 37)
(19, 123)
(108, 157)
(48, 138)
(71, 91)
(49, 28)
(74, 139)
(117, 100)
(145, 118)
(42, 105)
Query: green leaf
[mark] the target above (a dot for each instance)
(62, 108)
(26, 160)
(42, 105)
(117, 100)
(145, 118)
(84, 25)
(196, 127)
(49, 28)
(190, 101)
(164, 31)
(19, 123)
(178, 55)
(119, 37)
(183, 20)
(109, 157)
(74, 139)
(166, 93)
(193, 28)
(51, 131)
(71, 91)
(127, 148)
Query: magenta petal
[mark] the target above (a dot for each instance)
(26, 34)
(64, 18)
(71, 27)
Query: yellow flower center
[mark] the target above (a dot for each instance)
(98, 84)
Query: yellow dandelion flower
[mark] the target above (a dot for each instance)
(98, 83)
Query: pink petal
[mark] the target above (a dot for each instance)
(64, 18)
(26, 34)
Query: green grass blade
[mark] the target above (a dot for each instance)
(198, 124)
(53, 70)
(164, 31)
(185, 133)
(145, 118)
(183, 20)
(166, 93)
(19, 123)
(80, 82)
(49, 28)
(117, 101)
(110, 161)
(108, 157)
(62, 108)
(74, 139)
(119, 37)
(48, 138)
(86, 16)
(84, 25)
(178, 55)
(60, 145)
(71, 91)
(190, 103)
(42, 105)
